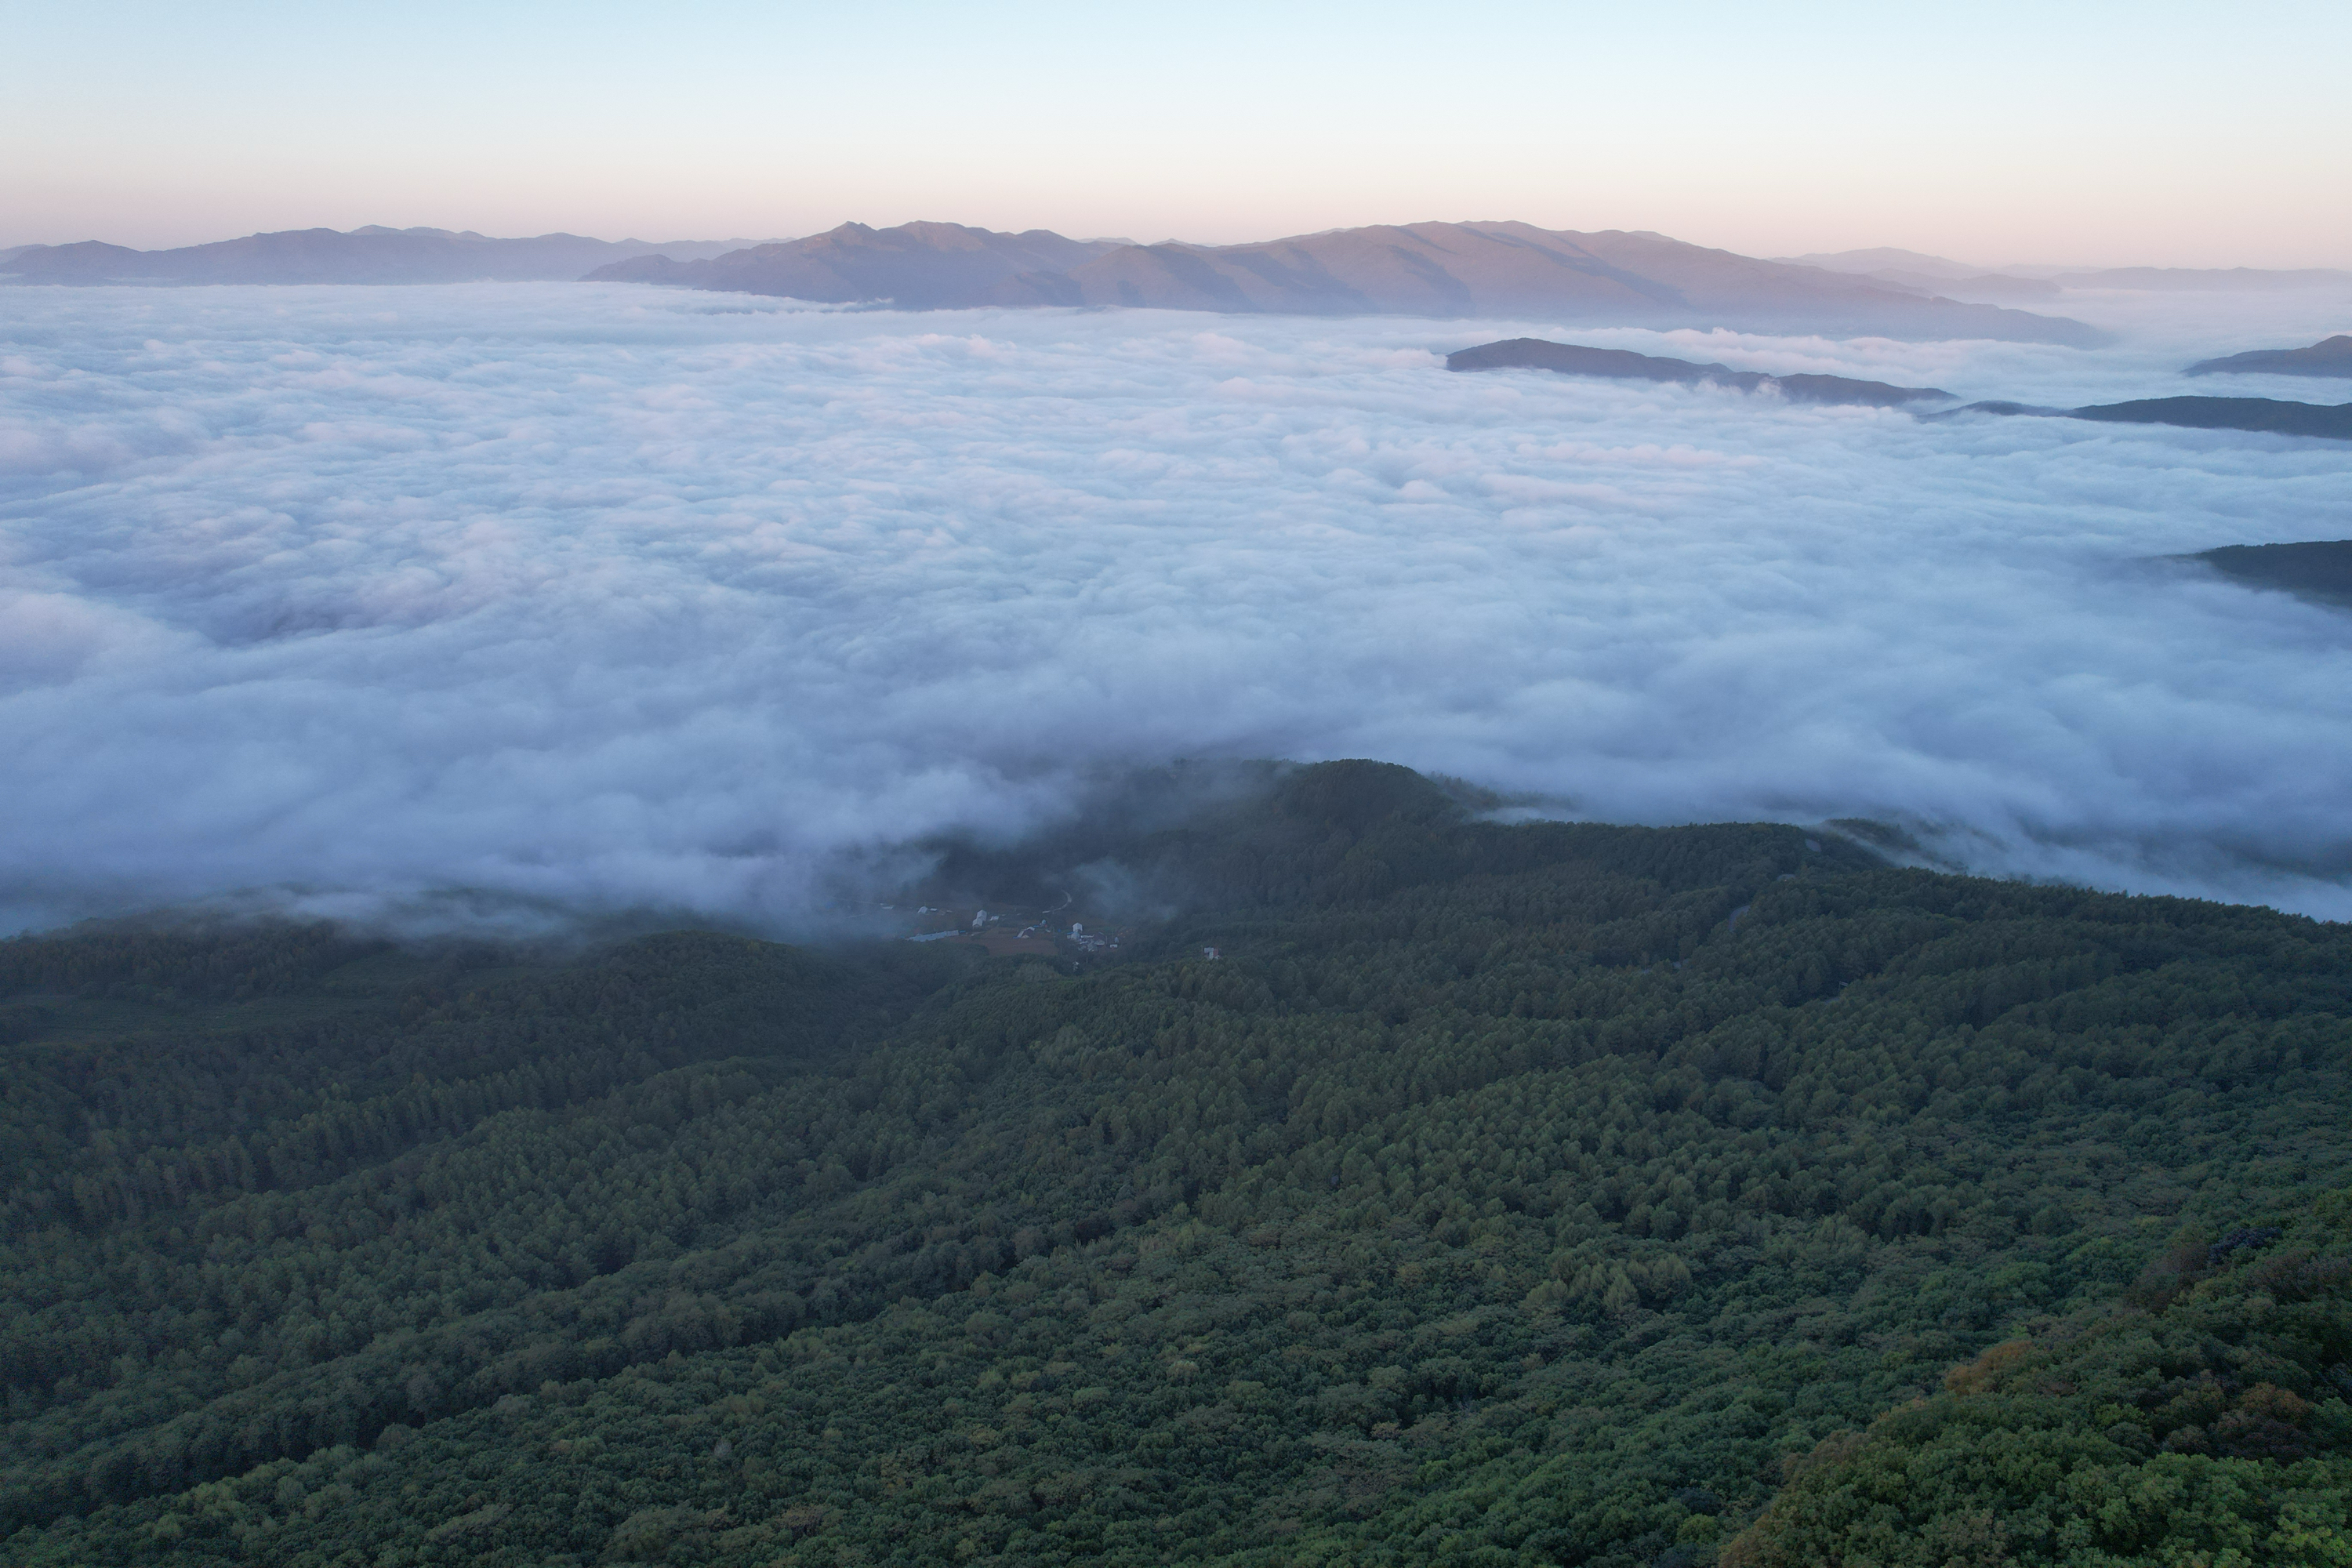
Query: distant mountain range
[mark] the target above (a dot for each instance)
(370, 255)
(2206, 278)
(1613, 277)
(916, 266)
(1921, 274)
(1427, 269)
(1620, 364)
(1964, 280)
(1980, 286)
(1886, 258)
(2330, 357)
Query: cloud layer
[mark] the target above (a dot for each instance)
(605, 597)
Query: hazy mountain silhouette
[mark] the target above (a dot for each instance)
(2200, 278)
(2321, 569)
(1978, 286)
(370, 255)
(1885, 258)
(1965, 281)
(2330, 357)
(1430, 269)
(1620, 364)
(1516, 269)
(916, 267)
(1922, 274)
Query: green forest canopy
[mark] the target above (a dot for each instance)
(1543, 1193)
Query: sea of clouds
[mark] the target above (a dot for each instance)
(462, 602)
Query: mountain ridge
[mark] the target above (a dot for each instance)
(2318, 569)
(2329, 422)
(2329, 356)
(1615, 277)
(934, 266)
(1623, 365)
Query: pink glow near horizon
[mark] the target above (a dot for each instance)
(2101, 136)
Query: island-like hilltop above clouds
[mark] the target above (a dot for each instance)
(1424, 269)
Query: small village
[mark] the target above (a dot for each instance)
(1006, 933)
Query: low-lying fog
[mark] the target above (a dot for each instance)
(566, 596)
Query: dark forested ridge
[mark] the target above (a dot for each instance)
(1502, 1195)
(2329, 356)
(2318, 569)
(1622, 364)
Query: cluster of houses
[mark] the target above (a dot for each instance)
(1001, 936)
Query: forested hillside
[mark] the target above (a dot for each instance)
(1503, 1194)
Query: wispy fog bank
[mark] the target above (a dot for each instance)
(580, 597)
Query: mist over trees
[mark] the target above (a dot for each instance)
(1544, 1194)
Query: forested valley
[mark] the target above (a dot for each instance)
(1501, 1195)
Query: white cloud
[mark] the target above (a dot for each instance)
(601, 597)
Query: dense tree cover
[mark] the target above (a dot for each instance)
(2204, 1425)
(1506, 1194)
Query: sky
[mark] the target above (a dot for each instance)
(489, 604)
(1997, 133)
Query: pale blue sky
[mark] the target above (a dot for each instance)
(2184, 134)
